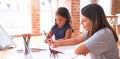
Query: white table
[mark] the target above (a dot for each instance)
(67, 50)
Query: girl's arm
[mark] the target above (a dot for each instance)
(50, 34)
(68, 34)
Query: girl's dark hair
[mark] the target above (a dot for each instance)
(98, 18)
(62, 11)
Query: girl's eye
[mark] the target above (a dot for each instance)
(59, 20)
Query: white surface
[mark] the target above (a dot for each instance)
(67, 50)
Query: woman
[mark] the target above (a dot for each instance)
(100, 40)
(62, 28)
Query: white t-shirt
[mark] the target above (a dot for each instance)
(102, 45)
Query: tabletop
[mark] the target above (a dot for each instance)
(18, 52)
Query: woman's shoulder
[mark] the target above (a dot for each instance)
(104, 31)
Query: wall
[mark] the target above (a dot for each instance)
(74, 8)
(35, 17)
(11, 16)
(115, 7)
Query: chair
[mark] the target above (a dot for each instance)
(113, 22)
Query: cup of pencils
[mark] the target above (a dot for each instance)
(26, 39)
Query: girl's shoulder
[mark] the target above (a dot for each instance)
(68, 26)
(55, 26)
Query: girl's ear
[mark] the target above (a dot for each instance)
(68, 21)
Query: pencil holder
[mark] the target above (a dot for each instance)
(26, 39)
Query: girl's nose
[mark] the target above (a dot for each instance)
(58, 21)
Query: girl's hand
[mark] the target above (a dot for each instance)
(54, 44)
(50, 41)
(45, 40)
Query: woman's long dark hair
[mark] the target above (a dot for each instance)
(98, 18)
(62, 11)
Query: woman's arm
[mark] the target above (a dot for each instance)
(71, 41)
(81, 49)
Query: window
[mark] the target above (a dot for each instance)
(47, 14)
(15, 16)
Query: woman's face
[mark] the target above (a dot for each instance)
(87, 24)
(60, 21)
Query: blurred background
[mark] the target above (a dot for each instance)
(34, 16)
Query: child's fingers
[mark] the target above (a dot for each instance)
(45, 40)
(50, 41)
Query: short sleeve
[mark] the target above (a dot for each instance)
(68, 27)
(53, 27)
(100, 42)
(84, 35)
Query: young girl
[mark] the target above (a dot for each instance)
(100, 40)
(62, 28)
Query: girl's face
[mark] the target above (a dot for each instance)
(60, 21)
(87, 24)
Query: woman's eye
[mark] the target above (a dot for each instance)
(83, 21)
